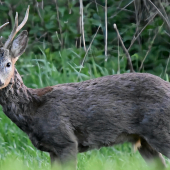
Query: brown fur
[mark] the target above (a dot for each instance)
(43, 91)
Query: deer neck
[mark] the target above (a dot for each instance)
(17, 101)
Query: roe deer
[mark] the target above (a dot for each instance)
(69, 118)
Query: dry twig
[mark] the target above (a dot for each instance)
(58, 20)
(1, 27)
(135, 37)
(137, 22)
(167, 65)
(126, 51)
(149, 49)
(82, 24)
(118, 53)
(89, 48)
(106, 33)
(160, 13)
(41, 18)
(122, 9)
(96, 6)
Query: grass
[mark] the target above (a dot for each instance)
(44, 69)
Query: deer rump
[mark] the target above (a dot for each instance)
(105, 111)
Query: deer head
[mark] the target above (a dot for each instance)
(11, 50)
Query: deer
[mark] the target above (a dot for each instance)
(67, 119)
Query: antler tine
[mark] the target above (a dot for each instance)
(1, 44)
(4, 25)
(16, 28)
(24, 20)
(13, 33)
(1, 27)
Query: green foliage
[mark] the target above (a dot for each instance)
(55, 28)
(55, 53)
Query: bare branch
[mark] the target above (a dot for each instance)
(120, 4)
(118, 53)
(122, 9)
(58, 38)
(80, 31)
(137, 22)
(106, 34)
(160, 13)
(135, 37)
(167, 65)
(89, 48)
(94, 1)
(126, 51)
(163, 9)
(1, 27)
(149, 49)
(96, 6)
(37, 7)
(82, 23)
(58, 20)
(127, 10)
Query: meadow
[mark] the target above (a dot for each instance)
(56, 54)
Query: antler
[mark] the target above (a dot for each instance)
(4, 25)
(16, 28)
(1, 27)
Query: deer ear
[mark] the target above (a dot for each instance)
(19, 45)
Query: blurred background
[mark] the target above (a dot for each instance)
(71, 41)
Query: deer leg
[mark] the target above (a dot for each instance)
(68, 156)
(65, 157)
(55, 161)
(149, 154)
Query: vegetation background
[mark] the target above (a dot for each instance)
(71, 41)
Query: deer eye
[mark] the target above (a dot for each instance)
(8, 64)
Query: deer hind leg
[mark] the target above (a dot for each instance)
(65, 157)
(55, 161)
(149, 154)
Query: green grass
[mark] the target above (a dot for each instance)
(44, 69)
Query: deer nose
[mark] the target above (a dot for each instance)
(1, 84)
